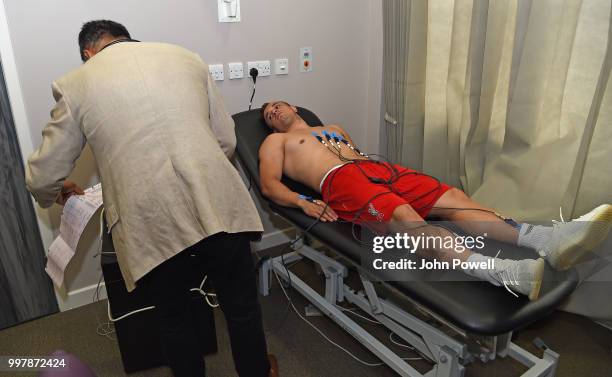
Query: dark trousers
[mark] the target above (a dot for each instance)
(226, 259)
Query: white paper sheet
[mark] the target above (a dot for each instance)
(77, 212)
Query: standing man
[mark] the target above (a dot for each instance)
(173, 201)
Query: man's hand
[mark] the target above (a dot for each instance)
(316, 207)
(69, 188)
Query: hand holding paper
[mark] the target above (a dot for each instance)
(78, 210)
(69, 188)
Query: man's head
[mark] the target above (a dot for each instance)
(95, 35)
(279, 115)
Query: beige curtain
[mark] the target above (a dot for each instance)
(509, 100)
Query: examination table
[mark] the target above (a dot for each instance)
(478, 318)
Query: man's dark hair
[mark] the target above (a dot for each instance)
(93, 31)
(263, 108)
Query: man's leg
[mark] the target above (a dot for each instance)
(228, 262)
(522, 276)
(169, 284)
(406, 220)
(474, 218)
(562, 245)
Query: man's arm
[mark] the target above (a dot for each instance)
(53, 161)
(271, 159)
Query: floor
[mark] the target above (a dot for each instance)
(585, 347)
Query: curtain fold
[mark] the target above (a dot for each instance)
(396, 14)
(26, 291)
(591, 174)
(436, 129)
(507, 100)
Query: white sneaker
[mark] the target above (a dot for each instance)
(521, 276)
(571, 241)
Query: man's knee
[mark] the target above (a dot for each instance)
(456, 195)
(405, 213)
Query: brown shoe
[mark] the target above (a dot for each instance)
(273, 366)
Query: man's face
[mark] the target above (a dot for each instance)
(280, 116)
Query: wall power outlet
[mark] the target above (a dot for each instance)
(263, 67)
(216, 71)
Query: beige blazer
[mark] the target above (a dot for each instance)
(162, 140)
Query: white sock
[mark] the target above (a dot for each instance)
(483, 274)
(534, 236)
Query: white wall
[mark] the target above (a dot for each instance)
(343, 88)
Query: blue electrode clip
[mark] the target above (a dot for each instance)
(513, 223)
(327, 135)
(333, 138)
(336, 137)
(306, 197)
(342, 139)
(318, 138)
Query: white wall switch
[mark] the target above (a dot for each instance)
(305, 59)
(229, 10)
(236, 70)
(281, 66)
(216, 71)
(263, 67)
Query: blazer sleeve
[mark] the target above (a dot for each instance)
(52, 162)
(221, 122)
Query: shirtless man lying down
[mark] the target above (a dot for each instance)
(359, 189)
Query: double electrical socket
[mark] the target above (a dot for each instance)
(236, 70)
(216, 71)
(263, 67)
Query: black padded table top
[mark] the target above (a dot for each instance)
(474, 306)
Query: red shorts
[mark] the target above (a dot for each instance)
(355, 198)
